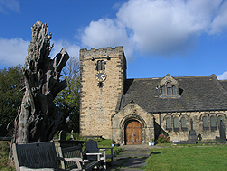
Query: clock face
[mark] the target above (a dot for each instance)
(100, 76)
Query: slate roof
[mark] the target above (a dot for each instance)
(197, 93)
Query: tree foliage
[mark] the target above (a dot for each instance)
(68, 99)
(10, 95)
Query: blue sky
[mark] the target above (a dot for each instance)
(160, 37)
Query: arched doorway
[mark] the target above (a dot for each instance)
(133, 132)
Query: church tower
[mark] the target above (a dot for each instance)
(102, 73)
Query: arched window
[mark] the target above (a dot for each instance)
(183, 124)
(205, 123)
(164, 90)
(213, 124)
(100, 65)
(176, 124)
(168, 124)
(169, 90)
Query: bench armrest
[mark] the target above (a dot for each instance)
(104, 149)
(23, 168)
(93, 154)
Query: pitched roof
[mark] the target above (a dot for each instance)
(197, 93)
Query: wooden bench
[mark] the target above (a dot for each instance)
(93, 151)
(35, 156)
(40, 156)
(73, 158)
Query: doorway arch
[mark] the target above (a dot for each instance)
(133, 132)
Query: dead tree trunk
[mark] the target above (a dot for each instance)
(38, 116)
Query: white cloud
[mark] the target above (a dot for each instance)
(223, 76)
(158, 27)
(14, 51)
(72, 49)
(219, 23)
(106, 32)
(12, 5)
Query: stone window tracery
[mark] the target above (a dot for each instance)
(169, 90)
(169, 87)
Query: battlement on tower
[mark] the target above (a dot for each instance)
(101, 53)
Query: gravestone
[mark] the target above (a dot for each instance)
(72, 136)
(222, 131)
(39, 117)
(62, 136)
(192, 134)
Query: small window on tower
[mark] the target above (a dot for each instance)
(100, 65)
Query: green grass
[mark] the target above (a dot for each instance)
(5, 163)
(168, 158)
(188, 158)
(107, 143)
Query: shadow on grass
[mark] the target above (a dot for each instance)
(134, 162)
(155, 153)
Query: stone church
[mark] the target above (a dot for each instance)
(136, 111)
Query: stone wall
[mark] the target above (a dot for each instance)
(97, 103)
(197, 118)
(132, 112)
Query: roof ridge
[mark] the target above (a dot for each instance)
(154, 78)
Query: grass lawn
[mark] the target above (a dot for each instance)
(188, 158)
(5, 163)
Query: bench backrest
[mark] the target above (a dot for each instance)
(91, 146)
(70, 152)
(35, 155)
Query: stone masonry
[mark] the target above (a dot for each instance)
(98, 101)
(137, 111)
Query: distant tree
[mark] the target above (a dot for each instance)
(10, 95)
(68, 99)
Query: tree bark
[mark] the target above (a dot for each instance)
(38, 116)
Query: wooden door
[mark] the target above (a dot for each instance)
(133, 133)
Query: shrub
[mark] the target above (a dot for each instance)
(163, 138)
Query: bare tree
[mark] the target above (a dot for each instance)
(68, 99)
(38, 116)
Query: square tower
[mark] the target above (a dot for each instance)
(102, 75)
